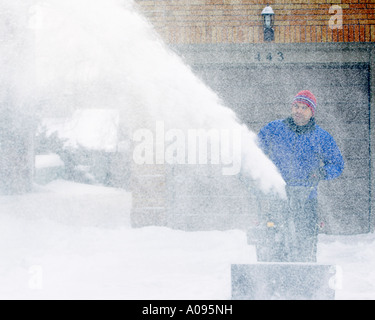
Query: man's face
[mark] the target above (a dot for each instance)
(301, 114)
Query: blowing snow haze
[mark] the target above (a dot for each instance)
(60, 56)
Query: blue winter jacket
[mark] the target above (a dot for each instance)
(298, 152)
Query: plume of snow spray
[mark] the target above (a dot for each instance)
(104, 54)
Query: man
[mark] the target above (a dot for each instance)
(304, 153)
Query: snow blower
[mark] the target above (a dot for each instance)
(283, 271)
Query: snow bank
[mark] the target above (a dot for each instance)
(47, 255)
(71, 203)
(48, 161)
(355, 255)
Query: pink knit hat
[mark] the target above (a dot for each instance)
(307, 98)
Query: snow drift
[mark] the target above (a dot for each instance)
(45, 259)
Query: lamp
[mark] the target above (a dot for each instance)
(268, 21)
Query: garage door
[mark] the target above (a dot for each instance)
(262, 94)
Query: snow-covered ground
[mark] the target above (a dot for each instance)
(74, 241)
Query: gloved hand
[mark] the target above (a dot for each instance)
(316, 175)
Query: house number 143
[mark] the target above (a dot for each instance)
(279, 56)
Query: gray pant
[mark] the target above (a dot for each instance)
(304, 248)
(294, 236)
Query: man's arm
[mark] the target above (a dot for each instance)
(332, 158)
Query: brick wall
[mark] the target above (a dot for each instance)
(239, 21)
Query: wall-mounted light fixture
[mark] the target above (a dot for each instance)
(268, 22)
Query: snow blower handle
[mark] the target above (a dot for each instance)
(316, 176)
